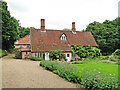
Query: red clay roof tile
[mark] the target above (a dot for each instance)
(24, 40)
(50, 40)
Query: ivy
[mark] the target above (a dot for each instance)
(86, 51)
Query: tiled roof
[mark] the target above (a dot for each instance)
(50, 40)
(24, 40)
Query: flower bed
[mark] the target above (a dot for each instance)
(91, 80)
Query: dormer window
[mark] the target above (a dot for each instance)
(63, 37)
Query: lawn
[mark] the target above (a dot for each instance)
(105, 68)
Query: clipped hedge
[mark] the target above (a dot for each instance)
(35, 58)
(91, 80)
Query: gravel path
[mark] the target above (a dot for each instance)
(18, 73)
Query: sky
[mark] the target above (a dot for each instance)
(60, 14)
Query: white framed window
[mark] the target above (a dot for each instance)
(27, 46)
(26, 53)
(21, 46)
(68, 55)
(63, 37)
(38, 54)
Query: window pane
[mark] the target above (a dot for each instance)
(68, 55)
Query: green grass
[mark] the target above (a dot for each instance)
(105, 68)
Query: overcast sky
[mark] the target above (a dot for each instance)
(60, 14)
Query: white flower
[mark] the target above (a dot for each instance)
(110, 74)
(98, 72)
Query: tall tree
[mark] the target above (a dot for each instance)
(106, 35)
(24, 31)
(10, 31)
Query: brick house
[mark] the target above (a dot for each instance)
(46, 40)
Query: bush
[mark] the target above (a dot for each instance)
(72, 60)
(66, 71)
(3, 53)
(91, 80)
(117, 52)
(104, 57)
(13, 50)
(78, 62)
(36, 58)
(97, 80)
(18, 55)
(58, 54)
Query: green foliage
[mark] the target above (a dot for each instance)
(106, 35)
(36, 58)
(104, 57)
(117, 52)
(91, 80)
(58, 54)
(3, 53)
(65, 71)
(24, 31)
(13, 50)
(86, 51)
(97, 80)
(78, 62)
(66, 29)
(18, 55)
(72, 60)
(10, 31)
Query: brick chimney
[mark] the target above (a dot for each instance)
(73, 27)
(43, 25)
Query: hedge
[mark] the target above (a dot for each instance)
(90, 80)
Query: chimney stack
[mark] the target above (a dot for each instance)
(73, 27)
(43, 25)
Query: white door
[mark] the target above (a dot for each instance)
(47, 56)
(68, 57)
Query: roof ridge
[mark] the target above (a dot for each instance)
(56, 30)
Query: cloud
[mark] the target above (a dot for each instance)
(59, 14)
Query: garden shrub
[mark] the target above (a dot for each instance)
(18, 55)
(3, 53)
(66, 71)
(91, 80)
(36, 58)
(72, 60)
(117, 52)
(13, 50)
(78, 62)
(97, 80)
(58, 54)
(104, 57)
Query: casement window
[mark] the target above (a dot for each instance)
(21, 46)
(38, 54)
(68, 55)
(27, 46)
(63, 37)
(26, 53)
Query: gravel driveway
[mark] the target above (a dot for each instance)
(18, 73)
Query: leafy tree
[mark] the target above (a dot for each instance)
(66, 29)
(106, 35)
(24, 31)
(10, 31)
